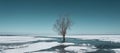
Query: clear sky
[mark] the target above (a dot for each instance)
(38, 16)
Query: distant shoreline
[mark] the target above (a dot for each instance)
(49, 34)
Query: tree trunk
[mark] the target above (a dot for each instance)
(63, 38)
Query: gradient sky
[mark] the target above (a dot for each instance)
(38, 16)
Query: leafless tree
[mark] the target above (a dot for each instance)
(62, 25)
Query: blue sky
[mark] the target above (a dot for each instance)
(38, 16)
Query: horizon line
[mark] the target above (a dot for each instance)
(51, 34)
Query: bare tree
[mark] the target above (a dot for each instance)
(62, 25)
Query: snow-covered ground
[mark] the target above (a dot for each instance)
(46, 52)
(32, 47)
(67, 43)
(28, 47)
(20, 39)
(25, 47)
(112, 38)
(116, 50)
(81, 48)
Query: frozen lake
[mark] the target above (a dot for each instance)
(52, 44)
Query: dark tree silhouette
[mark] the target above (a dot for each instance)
(62, 25)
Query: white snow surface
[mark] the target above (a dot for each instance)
(116, 50)
(112, 38)
(20, 39)
(33, 47)
(46, 52)
(46, 45)
(80, 49)
(66, 43)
